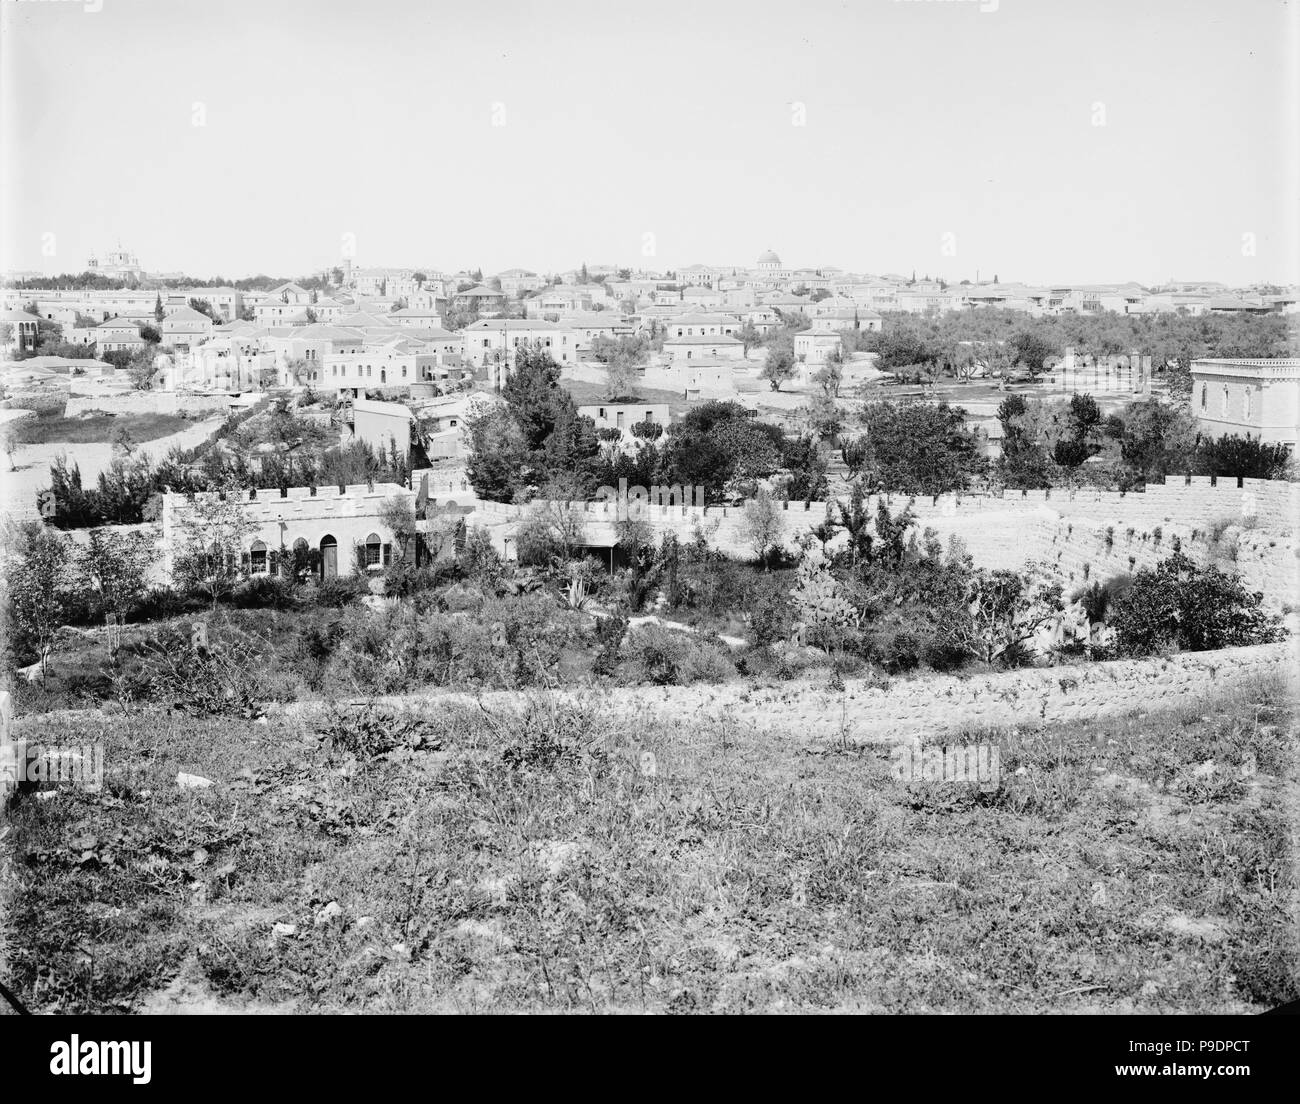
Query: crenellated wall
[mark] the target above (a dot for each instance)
(1074, 536)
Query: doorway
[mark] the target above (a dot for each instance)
(329, 557)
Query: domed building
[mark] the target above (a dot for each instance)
(768, 262)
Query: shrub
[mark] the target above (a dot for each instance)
(225, 677)
(668, 658)
(535, 541)
(340, 590)
(1190, 608)
(265, 592)
(771, 615)
(404, 580)
(609, 638)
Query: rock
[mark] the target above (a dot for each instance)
(284, 929)
(328, 914)
(192, 781)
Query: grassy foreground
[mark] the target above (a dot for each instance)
(453, 861)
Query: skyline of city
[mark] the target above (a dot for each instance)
(1057, 142)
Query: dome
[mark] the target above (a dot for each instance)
(769, 258)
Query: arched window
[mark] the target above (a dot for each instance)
(1224, 410)
(257, 558)
(1245, 404)
(374, 550)
(1205, 387)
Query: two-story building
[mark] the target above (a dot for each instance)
(1256, 397)
(186, 328)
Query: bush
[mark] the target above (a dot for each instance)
(1179, 605)
(668, 658)
(404, 580)
(340, 590)
(265, 592)
(771, 615)
(609, 638)
(225, 677)
(535, 541)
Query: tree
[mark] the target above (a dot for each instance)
(779, 365)
(804, 460)
(151, 334)
(762, 524)
(495, 468)
(1031, 350)
(117, 567)
(536, 435)
(899, 349)
(1180, 605)
(823, 416)
(717, 443)
(647, 431)
(1158, 439)
(120, 440)
(830, 376)
(41, 584)
(621, 356)
(140, 367)
(1004, 616)
(918, 447)
(397, 514)
(749, 336)
(158, 313)
(1244, 457)
(209, 540)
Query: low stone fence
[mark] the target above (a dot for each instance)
(907, 708)
(149, 402)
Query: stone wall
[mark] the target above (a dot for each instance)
(809, 712)
(1074, 537)
(149, 402)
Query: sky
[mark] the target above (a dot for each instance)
(1034, 140)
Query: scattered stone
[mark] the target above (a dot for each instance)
(328, 914)
(192, 781)
(284, 929)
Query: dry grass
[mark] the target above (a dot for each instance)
(455, 861)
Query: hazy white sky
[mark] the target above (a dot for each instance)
(938, 135)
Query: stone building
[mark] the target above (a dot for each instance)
(1256, 397)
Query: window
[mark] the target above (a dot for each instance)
(373, 547)
(1205, 387)
(1245, 404)
(620, 419)
(601, 411)
(1224, 406)
(257, 558)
